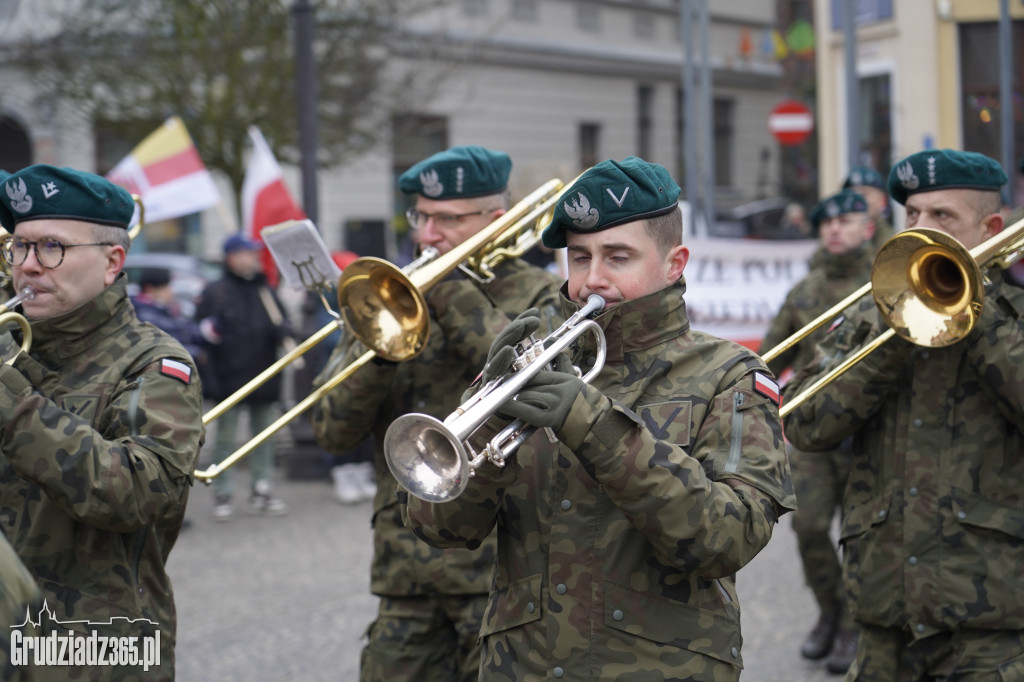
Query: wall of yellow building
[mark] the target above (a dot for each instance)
(921, 45)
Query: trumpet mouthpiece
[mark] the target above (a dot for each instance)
(27, 293)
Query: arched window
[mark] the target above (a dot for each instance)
(15, 149)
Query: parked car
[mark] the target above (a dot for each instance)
(760, 219)
(189, 275)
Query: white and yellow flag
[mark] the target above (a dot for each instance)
(166, 172)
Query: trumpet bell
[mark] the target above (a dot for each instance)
(426, 458)
(927, 287)
(383, 308)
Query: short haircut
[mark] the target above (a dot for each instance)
(501, 200)
(106, 234)
(666, 229)
(986, 203)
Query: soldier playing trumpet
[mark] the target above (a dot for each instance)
(618, 545)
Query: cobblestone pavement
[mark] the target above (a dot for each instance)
(287, 598)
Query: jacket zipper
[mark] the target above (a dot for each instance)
(733, 463)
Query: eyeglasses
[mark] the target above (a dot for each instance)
(49, 251)
(442, 220)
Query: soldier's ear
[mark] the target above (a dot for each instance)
(114, 263)
(677, 259)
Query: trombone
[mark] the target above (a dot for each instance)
(434, 460)
(929, 290)
(384, 308)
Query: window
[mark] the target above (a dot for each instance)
(15, 148)
(590, 144)
(476, 8)
(724, 113)
(588, 18)
(875, 118)
(643, 25)
(645, 121)
(680, 121)
(981, 107)
(525, 10)
(864, 12)
(414, 138)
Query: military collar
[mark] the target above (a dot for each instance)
(641, 323)
(847, 265)
(69, 334)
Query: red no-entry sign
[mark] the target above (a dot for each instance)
(790, 122)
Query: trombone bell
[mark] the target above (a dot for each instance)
(426, 457)
(383, 308)
(927, 287)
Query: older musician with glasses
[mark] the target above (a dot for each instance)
(618, 544)
(100, 424)
(933, 520)
(432, 601)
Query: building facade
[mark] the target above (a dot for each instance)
(558, 84)
(928, 74)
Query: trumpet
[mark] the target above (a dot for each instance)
(929, 290)
(434, 459)
(384, 308)
(7, 314)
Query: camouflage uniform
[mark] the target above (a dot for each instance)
(883, 231)
(932, 513)
(818, 477)
(99, 448)
(417, 583)
(618, 548)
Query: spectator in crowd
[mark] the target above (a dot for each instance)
(243, 327)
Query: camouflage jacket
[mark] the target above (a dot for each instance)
(100, 438)
(933, 525)
(835, 278)
(618, 548)
(432, 383)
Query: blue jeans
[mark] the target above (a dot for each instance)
(261, 460)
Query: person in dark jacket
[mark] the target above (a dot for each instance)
(155, 304)
(243, 325)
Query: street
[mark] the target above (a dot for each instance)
(286, 598)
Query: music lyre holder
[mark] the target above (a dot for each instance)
(302, 258)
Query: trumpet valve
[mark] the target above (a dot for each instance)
(527, 351)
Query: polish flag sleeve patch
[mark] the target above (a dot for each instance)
(767, 387)
(178, 370)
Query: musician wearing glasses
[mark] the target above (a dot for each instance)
(100, 423)
(844, 230)
(618, 545)
(932, 510)
(432, 601)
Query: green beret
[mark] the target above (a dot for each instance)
(935, 169)
(864, 176)
(609, 194)
(840, 203)
(458, 173)
(46, 192)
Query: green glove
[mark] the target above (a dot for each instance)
(545, 401)
(502, 353)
